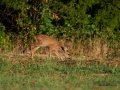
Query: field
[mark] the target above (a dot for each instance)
(18, 72)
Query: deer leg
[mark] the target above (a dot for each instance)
(50, 51)
(33, 49)
(58, 55)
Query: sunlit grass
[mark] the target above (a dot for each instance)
(49, 74)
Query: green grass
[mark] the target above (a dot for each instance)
(56, 75)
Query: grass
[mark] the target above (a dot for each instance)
(19, 74)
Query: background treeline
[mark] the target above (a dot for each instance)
(92, 26)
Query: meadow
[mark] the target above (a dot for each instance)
(18, 72)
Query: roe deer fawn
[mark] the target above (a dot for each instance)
(51, 43)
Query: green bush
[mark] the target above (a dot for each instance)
(5, 41)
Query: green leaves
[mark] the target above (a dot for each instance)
(77, 18)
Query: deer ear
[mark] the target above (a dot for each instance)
(65, 48)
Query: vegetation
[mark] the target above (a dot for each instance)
(57, 75)
(90, 28)
(74, 20)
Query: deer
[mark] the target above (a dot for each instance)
(53, 45)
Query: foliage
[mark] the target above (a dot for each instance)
(88, 18)
(2, 34)
(71, 19)
(5, 42)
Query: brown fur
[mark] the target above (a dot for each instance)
(51, 43)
